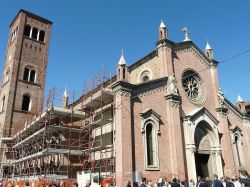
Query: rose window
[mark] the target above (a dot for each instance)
(193, 87)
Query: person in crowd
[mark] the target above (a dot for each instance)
(217, 182)
(87, 183)
(182, 183)
(237, 182)
(95, 182)
(135, 184)
(143, 183)
(159, 184)
(209, 182)
(247, 182)
(149, 184)
(203, 183)
(190, 184)
(155, 183)
(198, 181)
(175, 183)
(128, 184)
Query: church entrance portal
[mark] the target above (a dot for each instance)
(201, 162)
(203, 143)
(203, 151)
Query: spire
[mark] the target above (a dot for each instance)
(208, 47)
(186, 32)
(65, 99)
(65, 94)
(239, 99)
(163, 31)
(162, 25)
(122, 60)
(209, 51)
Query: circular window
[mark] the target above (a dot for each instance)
(193, 87)
(145, 76)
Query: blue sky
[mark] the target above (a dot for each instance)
(88, 35)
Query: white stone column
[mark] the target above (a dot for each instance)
(190, 149)
(38, 35)
(31, 29)
(219, 164)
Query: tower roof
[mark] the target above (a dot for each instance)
(162, 25)
(122, 60)
(208, 47)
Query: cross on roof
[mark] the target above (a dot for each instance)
(186, 31)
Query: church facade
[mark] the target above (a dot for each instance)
(173, 120)
(165, 115)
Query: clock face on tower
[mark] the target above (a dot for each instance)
(193, 87)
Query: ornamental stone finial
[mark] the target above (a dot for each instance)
(172, 87)
(221, 98)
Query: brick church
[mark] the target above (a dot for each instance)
(164, 115)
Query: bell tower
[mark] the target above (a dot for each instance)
(24, 72)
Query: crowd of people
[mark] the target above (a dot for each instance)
(200, 182)
(161, 182)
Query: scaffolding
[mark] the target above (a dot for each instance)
(58, 142)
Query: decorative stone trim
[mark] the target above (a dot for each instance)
(150, 87)
(223, 111)
(150, 115)
(174, 100)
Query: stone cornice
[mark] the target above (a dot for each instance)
(233, 110)
(122, 87)
(150, 86)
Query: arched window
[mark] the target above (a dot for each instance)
(119, 74)
(41, 36)
(149, 140)
(237, 149)
(34, 33)
(26, 105)
(150, 128)
(26, 74)
(123, 73)
(32, 76)
(29, 74)
(27, 30)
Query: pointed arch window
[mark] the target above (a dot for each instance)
(26, 103)
(238, 146)
(150, 128)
